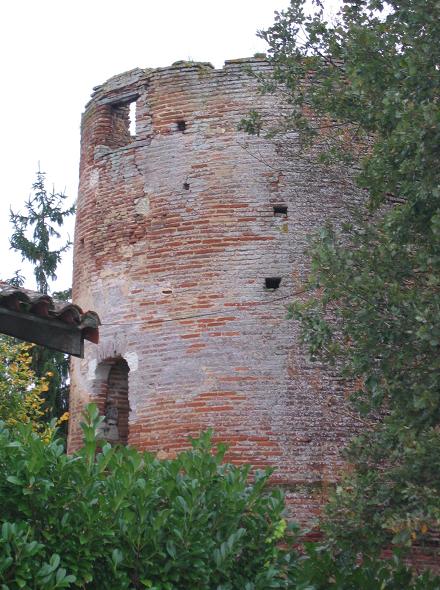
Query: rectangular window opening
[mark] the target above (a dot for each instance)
(280, 210)
(122, 128)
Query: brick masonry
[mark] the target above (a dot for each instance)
(176, 234)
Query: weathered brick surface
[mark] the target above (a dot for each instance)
(175, 236)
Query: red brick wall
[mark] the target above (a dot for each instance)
(175, 236)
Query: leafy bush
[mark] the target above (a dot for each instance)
(116, 518)
(21, 561)
(319, 569)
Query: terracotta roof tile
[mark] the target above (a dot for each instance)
(26, 301)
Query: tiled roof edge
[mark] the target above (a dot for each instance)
(26, 301)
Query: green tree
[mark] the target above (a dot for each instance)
(21, 392)
(33, 235)
(17, 280)
(44, 213)
(370, 78)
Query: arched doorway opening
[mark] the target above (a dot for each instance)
(113, 403)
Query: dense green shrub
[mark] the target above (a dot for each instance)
(119, 518)
(114, 519)
(320, 569)
(21, 561)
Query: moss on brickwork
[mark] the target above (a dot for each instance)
(192, 64)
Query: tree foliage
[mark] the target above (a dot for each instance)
(113, 518)
(33, 235)
(364, 91)
(21, 392)
(34, 231)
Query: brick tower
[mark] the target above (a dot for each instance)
(189, 243)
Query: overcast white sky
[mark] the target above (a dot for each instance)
(55, 51)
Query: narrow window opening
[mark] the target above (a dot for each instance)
(112, 387)
(280, 210)
(186, 186)
(120, 128)
(181, 126)
(272, 282)
(117, 407)
(123, 124)
(132, 119)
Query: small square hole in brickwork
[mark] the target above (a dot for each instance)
(181, 125)
(272, 282)
(186, 186)
(280, 210)
(132, 119)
